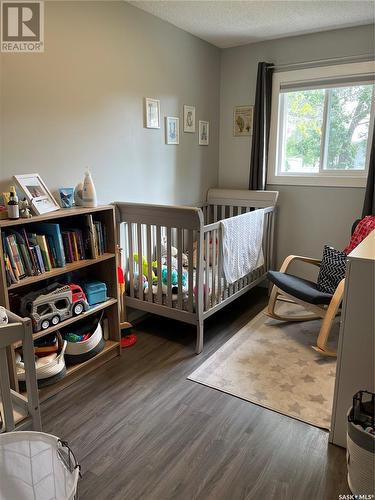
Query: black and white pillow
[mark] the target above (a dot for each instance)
(332, 269)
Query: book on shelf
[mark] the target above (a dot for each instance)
(46, 246)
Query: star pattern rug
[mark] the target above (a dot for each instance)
(271, 363)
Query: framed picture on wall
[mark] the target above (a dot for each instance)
(243, 121)
(37, 194)
(152, 112)
(204, 133)
(172, 130)
(189, 118)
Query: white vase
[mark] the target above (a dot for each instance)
(89, 193)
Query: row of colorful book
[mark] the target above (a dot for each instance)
(38, 248)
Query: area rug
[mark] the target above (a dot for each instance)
(272, 364)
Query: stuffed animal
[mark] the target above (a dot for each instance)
(145, 267)
(3, 316)
(174, 280)
(164, 252)
(24, 209)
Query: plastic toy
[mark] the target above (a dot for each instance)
(145, 266)
(54, 305)
(95, 291)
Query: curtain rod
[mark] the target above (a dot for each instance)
(324, 62)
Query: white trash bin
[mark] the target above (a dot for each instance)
(360, 452)
(35, 465)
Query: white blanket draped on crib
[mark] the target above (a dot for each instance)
(242, 244)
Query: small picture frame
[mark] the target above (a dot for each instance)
(172, 130)
(204, 133)
(189, 118)
(243, 121)
(152, 112)
(37, 194)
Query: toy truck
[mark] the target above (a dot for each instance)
(54, 305)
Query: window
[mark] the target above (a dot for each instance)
(320, 134)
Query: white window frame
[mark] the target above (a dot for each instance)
(312, 76)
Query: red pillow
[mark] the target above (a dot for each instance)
(363, 229)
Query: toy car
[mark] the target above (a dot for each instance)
(54, 305)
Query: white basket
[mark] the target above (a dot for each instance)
(34, 465)
(78, 352)
(360, 459)
(49, 370)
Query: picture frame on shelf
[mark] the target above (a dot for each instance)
(204, 133)
(152, 112)
(243, 121)
(37, 193)
(189, 118)
(172, 130)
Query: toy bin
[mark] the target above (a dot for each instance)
(49, 369)
(96, 292)
(35, 465)
(360, 452)
(80, 351)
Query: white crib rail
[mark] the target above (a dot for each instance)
(147, 230)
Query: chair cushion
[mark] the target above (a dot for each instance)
(332, 269)
(298, 287)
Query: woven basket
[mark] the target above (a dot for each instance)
(360, 457)
(35, 465)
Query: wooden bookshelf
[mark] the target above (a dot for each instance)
(103, 268)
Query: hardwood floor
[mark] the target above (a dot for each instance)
(142, 431)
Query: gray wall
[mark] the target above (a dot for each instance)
(309, 217)
(81, 103)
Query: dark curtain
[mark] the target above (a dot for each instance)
(369, 203)
(261, 127)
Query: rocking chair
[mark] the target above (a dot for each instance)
(301, 291)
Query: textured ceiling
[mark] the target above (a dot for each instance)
(230, 23)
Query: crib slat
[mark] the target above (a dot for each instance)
(191, 269)
(269, 240)
(158, 260)
(272, 256)
(231, 211)
(131, 261)
(140, 267)
(179, 268)
(220, 268)
(149, 263)
(169, 268)
(206, 286)
(265, 245)
(223, 214)
(215, 213)
(214, 268)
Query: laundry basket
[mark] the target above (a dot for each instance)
(35, 465)
(360, 451)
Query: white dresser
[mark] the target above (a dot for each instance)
(356, 351)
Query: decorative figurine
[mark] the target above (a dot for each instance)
(24, 209)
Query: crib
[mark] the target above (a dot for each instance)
(188, 240)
